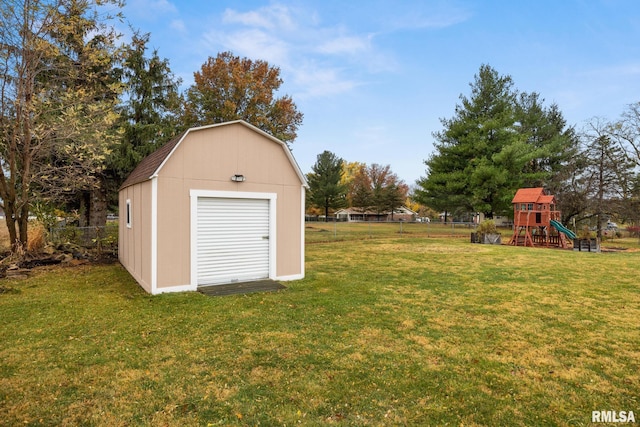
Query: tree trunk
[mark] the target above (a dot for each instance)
(98, 208)
(11, 225)
(23, 223)
(83, 215)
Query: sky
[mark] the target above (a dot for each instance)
(374, 78)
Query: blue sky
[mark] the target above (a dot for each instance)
(374, 78)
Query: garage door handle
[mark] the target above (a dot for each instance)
(265, 237)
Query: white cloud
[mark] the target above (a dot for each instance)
(315, 81)
(163, 5)
(346, 45)
(252, 43)
(418, 15)
(178, 25)
(318, 58)
(274, 17)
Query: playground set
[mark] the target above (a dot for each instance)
(536, 222)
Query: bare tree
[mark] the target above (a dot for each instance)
(608, 173)
(626, 131)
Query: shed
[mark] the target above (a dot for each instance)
(218, 204)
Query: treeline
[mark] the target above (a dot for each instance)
(335, 184)
(79, 108)
(499, 140)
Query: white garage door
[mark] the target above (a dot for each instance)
(232, 240)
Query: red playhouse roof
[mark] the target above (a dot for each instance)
(532, 195)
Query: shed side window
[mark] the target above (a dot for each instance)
(128, 213)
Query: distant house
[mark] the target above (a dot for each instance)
(353, 215)
(501, 221)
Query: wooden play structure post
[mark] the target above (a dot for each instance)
(536, 222)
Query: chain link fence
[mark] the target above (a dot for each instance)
(317, 231)
(101, 239)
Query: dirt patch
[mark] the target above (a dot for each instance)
(21, 269)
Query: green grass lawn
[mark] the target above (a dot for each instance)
(395, 331)
(335, 231)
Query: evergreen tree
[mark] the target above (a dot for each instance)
(464, 167)
(326, 189)
(551, 143)
(151, 109)
(496, 143)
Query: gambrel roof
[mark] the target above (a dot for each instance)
(151, 165)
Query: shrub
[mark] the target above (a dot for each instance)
(36, 238)
(585, 233)
(634, 230)
(488, 226)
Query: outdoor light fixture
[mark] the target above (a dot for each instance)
(237, 178)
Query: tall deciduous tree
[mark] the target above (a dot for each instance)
(626, 131)
(326, 189)
(608, 175)
(228, 87)
(377, 188)
(50, 96)
(360, 194)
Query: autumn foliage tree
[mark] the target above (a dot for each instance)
(228, 87)
(376, 187)
(54, 98)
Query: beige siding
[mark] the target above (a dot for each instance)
(135, 242)
(289, 231)
(173, 233)
(206, 160)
